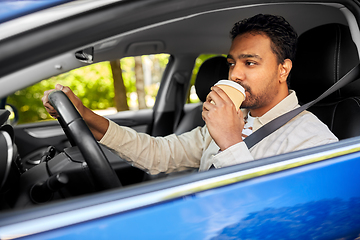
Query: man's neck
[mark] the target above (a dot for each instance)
(258, 112)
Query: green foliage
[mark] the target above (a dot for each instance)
(93, 84)
(127, 67)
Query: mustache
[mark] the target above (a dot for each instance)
(246, 87)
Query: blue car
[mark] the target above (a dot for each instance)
(50, 187)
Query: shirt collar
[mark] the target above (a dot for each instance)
(286, 105)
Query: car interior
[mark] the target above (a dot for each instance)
(326, 52)
(333, 55)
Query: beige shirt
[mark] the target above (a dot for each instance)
(196, 149)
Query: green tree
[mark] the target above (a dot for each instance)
(120, 98)
(93, 84)
(140, 85)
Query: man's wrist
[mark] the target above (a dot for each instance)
(226, 145)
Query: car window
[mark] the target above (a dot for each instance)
(131, 83)
(192, 96)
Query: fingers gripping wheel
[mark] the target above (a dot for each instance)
(78, 132)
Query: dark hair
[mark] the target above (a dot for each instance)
(282, 35)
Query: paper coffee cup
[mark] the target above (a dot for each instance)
(234, 90)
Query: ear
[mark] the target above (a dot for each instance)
(284, 70)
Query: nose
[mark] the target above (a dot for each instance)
(236, 73)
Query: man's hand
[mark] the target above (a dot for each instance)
(97, 124)
(73, 98)
(225, 123)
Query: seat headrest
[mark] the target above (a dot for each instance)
(211, 71)
(324, 55)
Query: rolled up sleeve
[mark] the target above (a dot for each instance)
(156, 154)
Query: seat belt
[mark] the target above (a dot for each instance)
(278, 122)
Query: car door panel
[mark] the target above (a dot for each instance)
(34, 138)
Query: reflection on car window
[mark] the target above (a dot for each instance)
(131, 83)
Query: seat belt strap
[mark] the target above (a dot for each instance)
(278, 122)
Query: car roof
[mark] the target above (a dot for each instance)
(11, 9)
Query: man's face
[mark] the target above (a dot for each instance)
(254, 66)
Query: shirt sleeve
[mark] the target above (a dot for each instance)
(236, 154)
(156, 154)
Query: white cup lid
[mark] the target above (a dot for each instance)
(232, 84)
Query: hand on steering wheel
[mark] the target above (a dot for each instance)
(80, 135)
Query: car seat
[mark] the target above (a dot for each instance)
(324, 55)
(211, 71)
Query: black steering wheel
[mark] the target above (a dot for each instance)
(80, 135)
